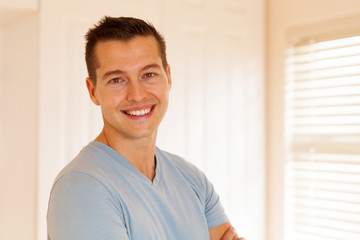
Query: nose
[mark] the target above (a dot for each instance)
(135, 91)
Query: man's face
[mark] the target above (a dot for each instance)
(132, 87)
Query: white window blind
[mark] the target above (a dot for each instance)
(322, 125)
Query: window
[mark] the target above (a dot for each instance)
(322, 130)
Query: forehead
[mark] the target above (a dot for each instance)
(133, 50)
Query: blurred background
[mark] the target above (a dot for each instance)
(265, 100)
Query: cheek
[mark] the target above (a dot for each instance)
(161, 96)
(164, 99)
(110, 99)
(162, 92)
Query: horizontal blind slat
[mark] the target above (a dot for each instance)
(328, 157)
(345, 226)
(326, 232)
(332, 110)
(327, 167)
(332, 62)
(325, 185)
(335, 177)
(326, 73)
(302, 236)
(351, 129)
(325, 213)
(324, 55)
(327, 92)
(327, 82)
(327, 120)
(326, 101)
(327, 195)
(336, 43)
(326, 205)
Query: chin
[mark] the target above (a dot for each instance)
(142, 134)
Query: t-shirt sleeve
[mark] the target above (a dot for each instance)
(214, 211)
(81, 207)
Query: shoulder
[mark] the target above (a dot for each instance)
(80, 201)
(81, 185)
(74, 186)
(87, 172)
(89, 162)
(180, 163)
(193, 175)
(201, 186)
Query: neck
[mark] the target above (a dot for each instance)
(139, 152)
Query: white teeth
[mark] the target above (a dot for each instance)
(139, 112)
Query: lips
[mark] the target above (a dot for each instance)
(138, 112)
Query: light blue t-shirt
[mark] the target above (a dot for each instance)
(101, 195)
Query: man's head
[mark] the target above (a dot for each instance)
(128, 77)
(123, 29)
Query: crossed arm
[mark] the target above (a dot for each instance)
(224, 232)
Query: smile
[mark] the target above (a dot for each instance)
(138, 113)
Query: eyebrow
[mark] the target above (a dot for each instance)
(154, 65)
(118, 71)
(114, 72)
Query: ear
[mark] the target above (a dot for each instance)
(91, 89)
(168, 73)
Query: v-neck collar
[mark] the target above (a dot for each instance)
(125, 163)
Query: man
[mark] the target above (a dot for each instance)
(121, 186)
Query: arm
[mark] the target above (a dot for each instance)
(81, 208)
(224, 232)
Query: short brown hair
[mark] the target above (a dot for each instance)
(121, 28)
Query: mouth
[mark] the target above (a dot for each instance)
(139, 112)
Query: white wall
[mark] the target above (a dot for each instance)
(283, 17)
(18, 105)
(1, 83)
(24, 4)
(11, 10)
(1, 97)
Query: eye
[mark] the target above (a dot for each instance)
(149, 75)
(115, 80)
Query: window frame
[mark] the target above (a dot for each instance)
(338, 28)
